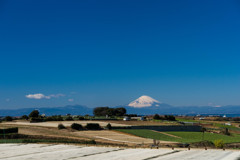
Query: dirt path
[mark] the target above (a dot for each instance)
(167, 134)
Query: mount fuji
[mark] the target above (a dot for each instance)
(144, 101)
(147, 105)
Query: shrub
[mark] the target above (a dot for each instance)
(93, 126)
(76, 126)
(24, 117)
(9, 130)
(81, 118)
(58, 118)
(222, 119)
(236, 119)
(8, 118)
(226, 132)
(61, 126)
(170, 117)
(92, 142)
(203, 144)
(109, 126)
(36, 119)
(69, 118)
(218, 143)
(54, 118)
(130, 115)
(49, 119)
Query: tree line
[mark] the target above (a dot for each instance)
(106, 111)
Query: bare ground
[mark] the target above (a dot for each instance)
(103, 136)
(65, 123)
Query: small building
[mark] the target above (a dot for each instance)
(228, 124)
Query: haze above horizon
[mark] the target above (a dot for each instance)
(109, 53)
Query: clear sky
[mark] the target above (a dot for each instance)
(108, 53)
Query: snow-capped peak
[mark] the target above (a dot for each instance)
(143, 101)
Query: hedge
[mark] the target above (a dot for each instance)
(9, 130)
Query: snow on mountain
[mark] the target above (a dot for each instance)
(144, 101)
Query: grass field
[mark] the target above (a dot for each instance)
(184, 137)
(226, 126)
(186, 120)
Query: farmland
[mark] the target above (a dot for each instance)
(48, 132)
(183, 137)
(44, 140)
(67, 152)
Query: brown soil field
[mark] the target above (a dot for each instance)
(114, 136)
(143, 123)
(102, 136)
(65, 123)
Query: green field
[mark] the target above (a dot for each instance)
(187, 120)
(226, 126)
(184, 137)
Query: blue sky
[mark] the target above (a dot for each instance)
(107, 53)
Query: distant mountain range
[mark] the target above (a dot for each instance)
(70, 109)
(183, 110)
(144, 105)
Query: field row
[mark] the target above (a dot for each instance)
(65, 152)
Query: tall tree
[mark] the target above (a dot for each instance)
(34, 113)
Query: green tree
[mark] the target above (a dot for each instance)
(34, 114)
(8, 118)
(170, 118)
(120, 111)
(226, 132)
(100, 111)
(24, 117)
(103, 111)
(156, 116)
